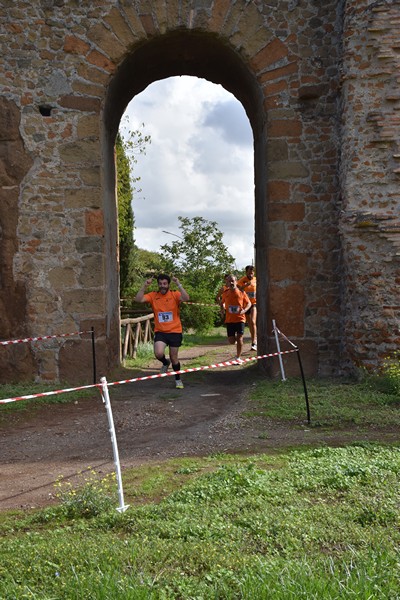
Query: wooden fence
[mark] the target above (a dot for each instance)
(138, 330)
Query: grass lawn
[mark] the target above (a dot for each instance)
(317, 523)
(320, 523)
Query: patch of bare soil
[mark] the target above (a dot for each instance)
(153, 422)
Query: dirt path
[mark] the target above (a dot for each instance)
(153, 422)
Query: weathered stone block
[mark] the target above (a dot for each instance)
(120, 27)
(287, 265)
(92, 273)
(100, 60)
(286, 212)
(287, 308)
(60, 277)
(88, 127)
(278, 190)
(219, 15)
(80, 103)
(273, 52)
(80, 152)
(83, 198)
(284, 128)
(94, 222)
(277, 234)
(82, 304)
(106, 41)
(287, 170)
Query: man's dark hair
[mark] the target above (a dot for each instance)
(249, 267)
(163, 276)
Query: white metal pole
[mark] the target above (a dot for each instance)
(106, 399)
(279, 349)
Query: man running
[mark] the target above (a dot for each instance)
(165, 305)
(236, 304)
(248, 284)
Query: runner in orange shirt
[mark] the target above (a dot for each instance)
(248, 284)
(167, 323)
(236, 304)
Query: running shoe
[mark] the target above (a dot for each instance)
(164, 368)
(254, 347)
(237, 361)
(179, 384)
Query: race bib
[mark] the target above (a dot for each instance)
(234, 309)
(165, 317)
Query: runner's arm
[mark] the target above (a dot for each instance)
(140, 295)
(247, 307)
(184, 295)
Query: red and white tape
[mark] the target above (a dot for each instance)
(43, 337)
(227, 363)
(184, 302)
(284, 337)
(199, 303)
(52, 393)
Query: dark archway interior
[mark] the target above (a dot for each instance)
(202, 55)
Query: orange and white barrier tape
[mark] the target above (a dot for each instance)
(227, 363)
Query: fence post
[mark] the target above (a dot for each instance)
(132, 338)
(279, 350)
(126, 341)
(94, 356)
(138, 331)
(106, 399)
(304, 385)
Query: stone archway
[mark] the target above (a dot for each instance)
(69, 123)
(317, 81)
(201, 55)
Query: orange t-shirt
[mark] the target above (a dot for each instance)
(166, 311)
(249, 286)
(234, 301)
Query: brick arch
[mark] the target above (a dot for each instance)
(318, 82)
(207, 56)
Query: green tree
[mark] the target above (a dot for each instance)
(126, 221)
(147, 264)
(127, 151)
(200, 258)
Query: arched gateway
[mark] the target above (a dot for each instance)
(318, 83)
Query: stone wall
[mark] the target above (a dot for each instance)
(370, 178)
(326, 167)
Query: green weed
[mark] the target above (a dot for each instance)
(319, 523)
(391, 372)
(88, 498)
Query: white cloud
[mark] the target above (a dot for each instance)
(228, 118)
(199, 163)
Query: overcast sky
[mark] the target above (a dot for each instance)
(199, 163)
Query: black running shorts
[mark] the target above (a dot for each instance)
(173, 340)
(233, 328)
